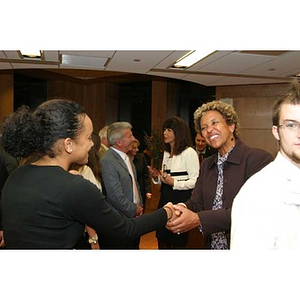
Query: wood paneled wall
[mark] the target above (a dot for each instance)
(6, 95)
(100, 100)
(101, 103)
(253, 105)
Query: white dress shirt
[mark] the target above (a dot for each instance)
(266, 211)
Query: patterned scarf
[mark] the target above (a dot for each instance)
(218, 239)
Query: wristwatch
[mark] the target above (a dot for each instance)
(93, 240)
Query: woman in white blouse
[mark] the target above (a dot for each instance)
(180, 170)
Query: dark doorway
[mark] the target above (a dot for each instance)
(29, 91)
(135, 108)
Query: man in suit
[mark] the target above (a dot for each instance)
(202, 149)
(119, 178)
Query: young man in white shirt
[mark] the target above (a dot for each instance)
(266, 211)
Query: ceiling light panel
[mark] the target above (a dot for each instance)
(83, 61)
(31, 53)
(192, 58)
(89, 53)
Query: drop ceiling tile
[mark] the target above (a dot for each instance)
(33, 66)
(13, 54)
(212, 58)
(235, 63)
(136, 61)
(170, 59)
(282, 65)
(5, 66)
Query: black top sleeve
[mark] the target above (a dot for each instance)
(97, 213)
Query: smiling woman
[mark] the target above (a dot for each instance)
(50, 206)
(221, 175)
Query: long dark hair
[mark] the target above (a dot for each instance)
(182, 134)
(24, 133)
(93, 161)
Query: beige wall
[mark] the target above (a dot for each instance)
(253, 105)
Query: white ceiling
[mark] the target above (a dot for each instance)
(219, 68)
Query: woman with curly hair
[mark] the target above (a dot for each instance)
(221, 175)
(43, 205)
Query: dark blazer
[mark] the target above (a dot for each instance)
(143, 176)
(241, 164)
(118, 183)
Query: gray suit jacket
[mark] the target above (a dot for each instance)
(118, 183)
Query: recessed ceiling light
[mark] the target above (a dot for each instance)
(84, 61)
(295, 75)
(31, 53)
(191, 58)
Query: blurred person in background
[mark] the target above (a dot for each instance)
(141, 166)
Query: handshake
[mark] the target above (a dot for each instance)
(180, 218)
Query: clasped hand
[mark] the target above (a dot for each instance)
(182, 220)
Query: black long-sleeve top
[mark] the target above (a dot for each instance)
(45, 207)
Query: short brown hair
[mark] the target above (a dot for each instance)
(291, 97)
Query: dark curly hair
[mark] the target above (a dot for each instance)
(24, 133)
(182, 134)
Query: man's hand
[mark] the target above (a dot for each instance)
(185, 221)
(139, 210)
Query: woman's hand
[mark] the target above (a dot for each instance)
(154, 173)
(167, 179)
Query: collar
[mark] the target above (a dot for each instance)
(290, 171)
(121, 153)
(289, 179)
(235, 156)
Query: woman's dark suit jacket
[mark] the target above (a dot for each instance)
(241, 164)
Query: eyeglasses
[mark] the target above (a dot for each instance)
(290, 125)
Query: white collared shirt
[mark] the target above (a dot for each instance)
(266, 211)
(121, 153)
